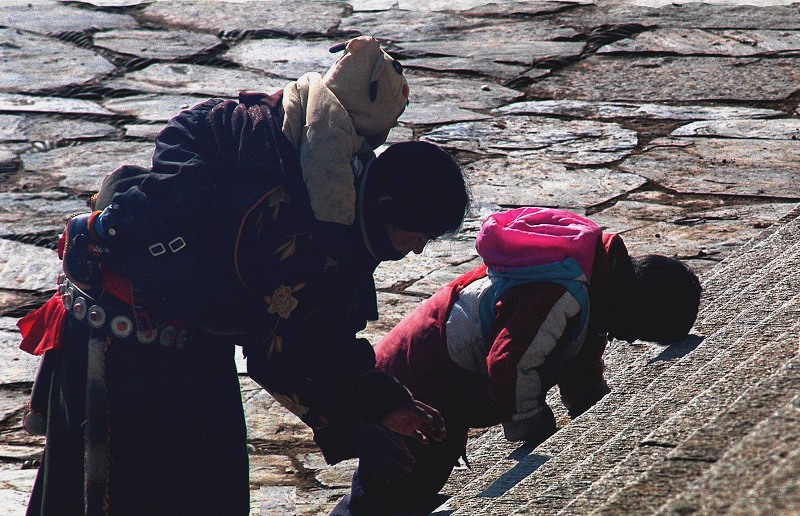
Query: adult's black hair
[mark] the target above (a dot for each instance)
(419, 187)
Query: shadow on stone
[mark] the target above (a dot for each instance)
(678, 349)
(527, 464)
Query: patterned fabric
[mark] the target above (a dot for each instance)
(537, 339)
(249, 271)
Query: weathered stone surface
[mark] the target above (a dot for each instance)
(519, 42)
(708, 42)
(440, 100)
(29, 63)
(474, 6)
(155, 44)
(406, 25)
(701, 233)
(269, 469)
(83, 167)
(189, 79)
(15, 128)
(115, 3)
(36, 213)
(17, 485)
(292, 17)
(268, 420)
(48, 16)
(15, 364)
(11, 400)
(152, 108)
(780, 129)
(26, 103)
(709, 165)
(285, 58)
(695, 15)
(691, 79)
(533, 182)
(576, 142)
(337, 476)
(143, 131)
(9, 158)
(27, 267)
(483, 65)
(592, 109)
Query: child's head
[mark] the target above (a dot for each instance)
(370, 85)
(656, 299)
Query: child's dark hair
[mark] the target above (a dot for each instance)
(421, 188)
(661, 300)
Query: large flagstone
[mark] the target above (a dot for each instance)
(12, 102)
(155, 44)
(435, 100)
(708, 42)
(15, 128)
(27, 267)
(29, 63)
(700, 232)
(82, 168)
(693, 15)
(36, 213)
(285, 58)
(514, 181)
(51, 16)
(601, 109)
(754, 167)
(191, 79)
(15, 365)
(576, 141)
(684, 79)
(153, 107)
(777, 129)
(290, 17)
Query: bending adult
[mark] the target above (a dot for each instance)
(218, 247)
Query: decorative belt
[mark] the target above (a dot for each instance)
(116, 319)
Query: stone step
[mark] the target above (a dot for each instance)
(503, 476)
(620, 357)
(618, 417)
(735, 477)
(626, 456)
(577, 432)
(694, 456)
(777, 492)
(737, 269)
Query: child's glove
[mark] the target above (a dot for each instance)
(82, 248)
(379, 450)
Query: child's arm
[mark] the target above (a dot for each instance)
(532, 340)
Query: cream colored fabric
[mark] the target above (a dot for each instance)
(322, 131)
(371, 87)
(329, 119)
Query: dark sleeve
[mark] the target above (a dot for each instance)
(209, 164)
(316, 367)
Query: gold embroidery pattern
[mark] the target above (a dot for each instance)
(282, 302)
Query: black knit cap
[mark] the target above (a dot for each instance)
(419, 187)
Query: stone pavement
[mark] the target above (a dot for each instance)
(675, 125)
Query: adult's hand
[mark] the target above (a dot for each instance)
(380, 451)
(418, 421)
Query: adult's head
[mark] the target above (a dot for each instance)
(414, 192)
(657, 299)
